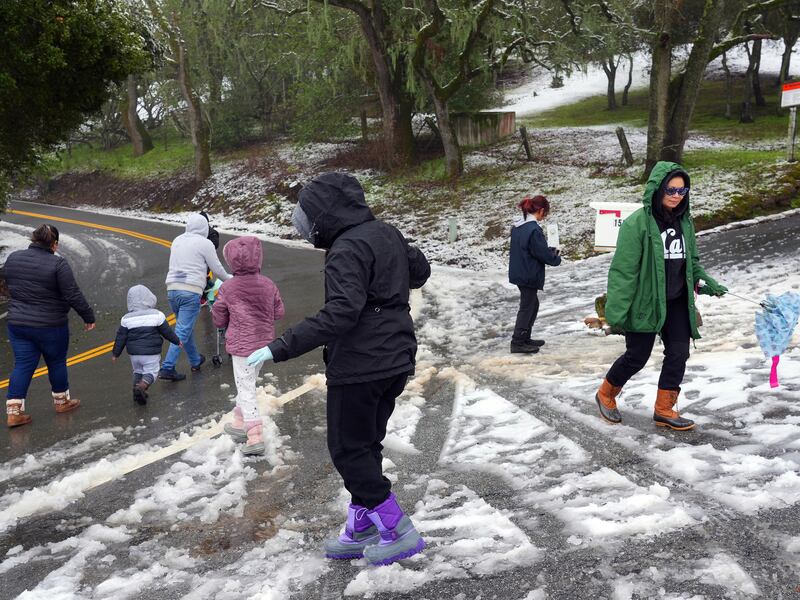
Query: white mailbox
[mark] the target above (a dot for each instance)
(608, 219)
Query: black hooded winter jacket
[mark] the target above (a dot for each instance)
(365, 324)
(43, 289)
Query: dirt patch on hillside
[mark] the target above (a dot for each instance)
(101, 189)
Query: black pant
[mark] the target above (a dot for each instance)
(357, 417)
(675, 335)
(528, 309)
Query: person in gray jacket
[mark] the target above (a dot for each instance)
(142, 331)
(190, 258)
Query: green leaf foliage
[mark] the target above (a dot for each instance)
(57, 61)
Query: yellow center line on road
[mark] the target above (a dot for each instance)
(128, 232)
(105, 348)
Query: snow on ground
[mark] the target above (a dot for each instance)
(465, 536)
(17, 237)
(536, 95)
(726, 388)
(526, 474)
(573, 167)
(484, 215)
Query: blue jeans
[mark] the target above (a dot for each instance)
(186, 306)
(28, 345)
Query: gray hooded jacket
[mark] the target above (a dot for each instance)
(191, 256)
(143, 329)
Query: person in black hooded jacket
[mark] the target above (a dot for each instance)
(369, 344)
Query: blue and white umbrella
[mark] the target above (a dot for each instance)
(775, 326)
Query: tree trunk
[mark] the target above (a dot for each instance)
(683, 94)
(658, 99)
(760, 101)
(140, 138)
(610, 68)
(728, 85)
(453, 160)
(398, 135)
(630, 81)
(789, 42)
(198, 125)
(746, 114)
(396, 105)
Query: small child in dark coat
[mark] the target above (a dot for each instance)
(143, 330)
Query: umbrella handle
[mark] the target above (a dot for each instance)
(761, 304)
(773, 373)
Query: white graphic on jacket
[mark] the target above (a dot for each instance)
(673, 244)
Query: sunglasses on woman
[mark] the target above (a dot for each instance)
(680, 191)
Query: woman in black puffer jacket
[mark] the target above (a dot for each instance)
(42, 289)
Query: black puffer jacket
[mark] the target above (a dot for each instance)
(144, 329)
(43, 289)
(365, 323)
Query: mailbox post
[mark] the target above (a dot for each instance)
(790, 98)
(609, 217)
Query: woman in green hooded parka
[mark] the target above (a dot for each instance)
(651, 285)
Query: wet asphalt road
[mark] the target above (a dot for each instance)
(106, 264)
(299, 490)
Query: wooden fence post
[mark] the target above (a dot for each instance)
(526, 144)
(627, 155)
(364, 125)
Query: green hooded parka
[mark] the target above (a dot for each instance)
(637, 296)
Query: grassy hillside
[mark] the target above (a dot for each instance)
(709, 116)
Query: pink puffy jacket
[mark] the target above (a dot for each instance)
(248, 304)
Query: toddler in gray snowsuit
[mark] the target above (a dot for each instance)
(143, 330)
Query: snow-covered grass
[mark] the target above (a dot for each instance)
(573, 166)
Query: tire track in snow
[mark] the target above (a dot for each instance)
(741, 536)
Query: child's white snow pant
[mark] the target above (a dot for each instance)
(245, 376)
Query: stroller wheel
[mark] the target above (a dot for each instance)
(216, 360)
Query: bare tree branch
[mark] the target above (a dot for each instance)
(726, 45)
(759, 7)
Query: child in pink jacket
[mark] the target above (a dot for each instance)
(247, 305)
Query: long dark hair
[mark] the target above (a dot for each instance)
(45, 235)
(530, 205)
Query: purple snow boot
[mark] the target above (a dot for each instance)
(399, 538)
(359, 532)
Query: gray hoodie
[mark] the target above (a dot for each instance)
(191, 256)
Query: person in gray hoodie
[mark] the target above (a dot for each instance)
(142, 331)
(191, 256)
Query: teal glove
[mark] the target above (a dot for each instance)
(259, 356)
(211, 294)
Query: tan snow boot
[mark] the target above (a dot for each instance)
(606, 398)
(665, 415)
(64, 403)
(15, 412)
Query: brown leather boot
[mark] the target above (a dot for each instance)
(64, 403)
(664, 414)
(140, 392)
(606, 398)
(15, 413)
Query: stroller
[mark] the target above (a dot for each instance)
(210, 295)
(216, 360)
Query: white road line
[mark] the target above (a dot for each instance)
(182, 444)
(73, 486)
